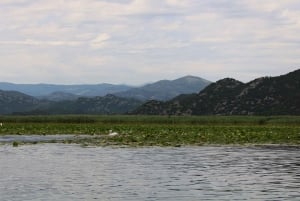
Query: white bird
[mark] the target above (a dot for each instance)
(111, 133)
(1, 124)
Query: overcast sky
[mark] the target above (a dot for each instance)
(140, 41)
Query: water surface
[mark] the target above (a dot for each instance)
(70, 172)
(40, 138)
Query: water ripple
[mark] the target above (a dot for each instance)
(69, 172)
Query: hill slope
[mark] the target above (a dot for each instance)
(166, 89)
(108, 104)
(13, 101)
(59, 96)
(263, 96)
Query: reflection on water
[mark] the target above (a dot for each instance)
(69, 172)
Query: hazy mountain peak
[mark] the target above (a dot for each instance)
(167, 89)
(191, 79)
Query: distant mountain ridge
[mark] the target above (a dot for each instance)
(263, 96)
(40, 90)
(12, 102)
(166, 89)
(160, 90)
(84, 99)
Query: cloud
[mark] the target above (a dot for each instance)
(147, 39)
(100, 40)
(42, 43)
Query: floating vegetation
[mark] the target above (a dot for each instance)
(159, 130)
(15, 144)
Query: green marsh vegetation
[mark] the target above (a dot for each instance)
(160, 130)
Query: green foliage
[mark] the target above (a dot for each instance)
(161, 130)
(15, 144)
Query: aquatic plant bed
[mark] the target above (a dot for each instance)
(159, 130)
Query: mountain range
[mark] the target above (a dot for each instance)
(166, 89)
(46, 90)
(90, 99)
(160, 90)
(263, 96)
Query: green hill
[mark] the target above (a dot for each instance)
(13, 101)
(263, 96)
(108, 104)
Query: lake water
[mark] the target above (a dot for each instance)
(70, 173)
(40, 138)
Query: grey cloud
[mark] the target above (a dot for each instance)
(147, 39)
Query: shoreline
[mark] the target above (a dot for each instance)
(85, 145)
